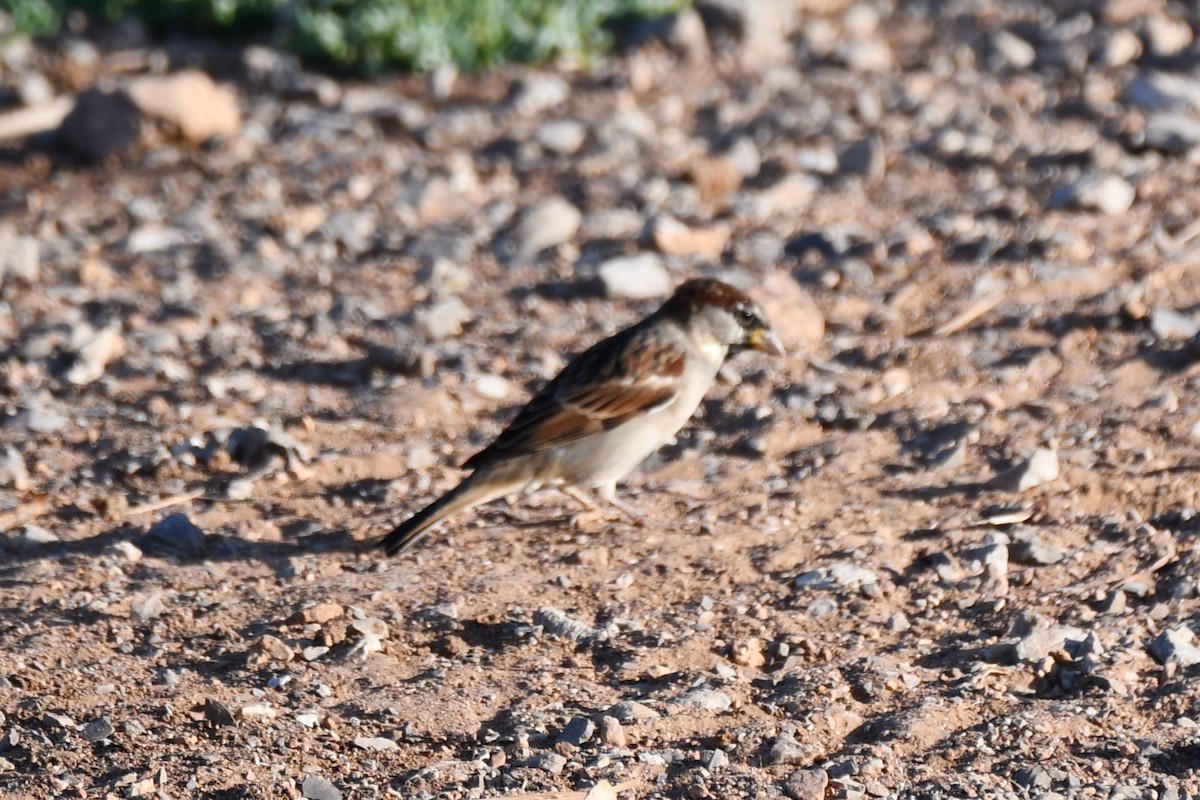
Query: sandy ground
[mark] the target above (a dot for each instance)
(946, 548)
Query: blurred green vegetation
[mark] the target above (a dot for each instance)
(374, 35)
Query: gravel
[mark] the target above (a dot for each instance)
(229, 367)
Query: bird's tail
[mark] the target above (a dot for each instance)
(474, 490)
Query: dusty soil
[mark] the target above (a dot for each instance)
(842, 590)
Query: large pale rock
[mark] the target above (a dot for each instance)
(189, 100)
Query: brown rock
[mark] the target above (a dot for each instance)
(270, 648)
(674, 238)
(611, 732)
(318, 614)
(189, 100)
(806, 784)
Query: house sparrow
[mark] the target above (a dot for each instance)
(611, 407)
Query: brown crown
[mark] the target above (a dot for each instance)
(699, 293)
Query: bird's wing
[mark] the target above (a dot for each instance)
(632, 373)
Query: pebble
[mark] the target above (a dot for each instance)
(1044, 640)
(577, 731)
(1029, 548)
(1172, 132)
(443, 319)
(806, 784)
(1041, 468)
(632, 711)
(61, 721)
(377, 743)
(315, 788)
(785, 750)
(553, 763)
(715, 759)
(97, 730)
(274, 648)
(124, 551)
(548, 224)
(537, 93)
(33, 537)
(1176, 646)
(314, 652)
(556, 623)
(19, 258)
(1015, 51)
(1164, 91)
(103, 122)
(701, 698)
(370, 626)
(217, 713)
(176, 532)
(94, 351)
(190, 101)
(562, 137)
(147, 608)
(611, 732)
(864, 158)
(674, 238)
(317, 614)
(1168, 324)
(638, 277)
(1108, 194)
(613, 223)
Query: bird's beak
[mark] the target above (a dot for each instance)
(765, 340)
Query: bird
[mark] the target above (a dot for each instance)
(610, 407)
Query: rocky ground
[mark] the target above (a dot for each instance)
(947, 548)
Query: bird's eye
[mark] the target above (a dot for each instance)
(745, 316)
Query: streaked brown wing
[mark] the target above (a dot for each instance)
(623, 376)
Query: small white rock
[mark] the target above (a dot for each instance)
(637, 277)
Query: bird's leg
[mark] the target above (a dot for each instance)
(590, 512)
(608, 493)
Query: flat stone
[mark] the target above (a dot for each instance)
(1108, 194)
(577, 731)
(632, 711)
(370, 626)
(190, 101)
(638, 277)
(317, 614)
(315, 788)
(147, 608)
(1176, 646)
(701, 699)
(1041, 468)
(548, 224)
(562, 137)
(33, 537)
(97, 730)
(377, 743)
